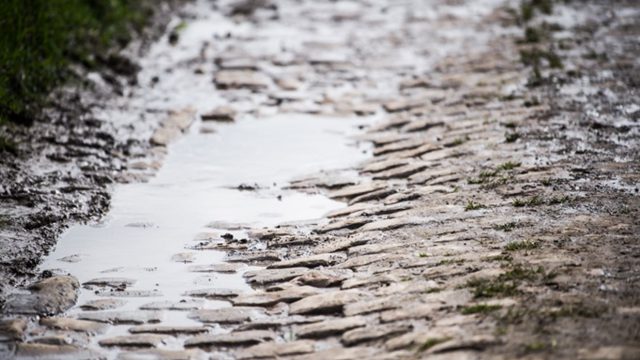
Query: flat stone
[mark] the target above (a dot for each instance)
(46, 297)
(122, 317)
(367, 280)
(58, 352)
(323, 278)
(160, 354)
(355, 190)
(345, 223)
(418, 311)
(173, 305)
(373, 196)
(214, 293)
(276, 350)
(310, 261)
(117, 292)
(12, 329)
(68, 324)
(326, 302)
(356, 208)
(221, 113)
(340, 353)
(185, 257)
(390, 224)
(375, 305)
(229, 315)
(375, 332)
(340, 244)
(273, 297)
(476, 342)
(401, 172)
(172, 330)
(268, 276)
(225, 268)
(329, 327)
(236, 79)
(52, 340)
(102, 304)
(137, 340)
(404, 104)
(172, 127)
(238, 338)
(71, 258)
(115, 282)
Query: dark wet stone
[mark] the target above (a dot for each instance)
(356, 190)
(115, 282)
(46, 297)
(239, 338)
(221, 113)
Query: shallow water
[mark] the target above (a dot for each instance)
(150, 222)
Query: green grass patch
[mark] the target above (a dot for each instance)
(532, 201)
(509, 165)
(507, 227)
(41, 38)
(472, 205)
(429, 343)
(480, 309)
(522, 245)
(505, 284)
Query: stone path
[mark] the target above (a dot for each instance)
(493, 220)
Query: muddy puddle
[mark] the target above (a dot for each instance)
(216, 176)
(148, 236)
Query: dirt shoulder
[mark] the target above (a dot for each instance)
(60, 169)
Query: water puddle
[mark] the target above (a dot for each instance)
(150, 223)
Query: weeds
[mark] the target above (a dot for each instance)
(511, 137)
(471, 205)
(429, 343)
(508, 227)
(532, 201)
(522, 245)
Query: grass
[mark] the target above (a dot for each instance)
(532, 201)
(508, 227)
(471, 205)
(429, 343)
(47, 36)
(511, 137)
(522, 245)
(505, 284)
(480, 309)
